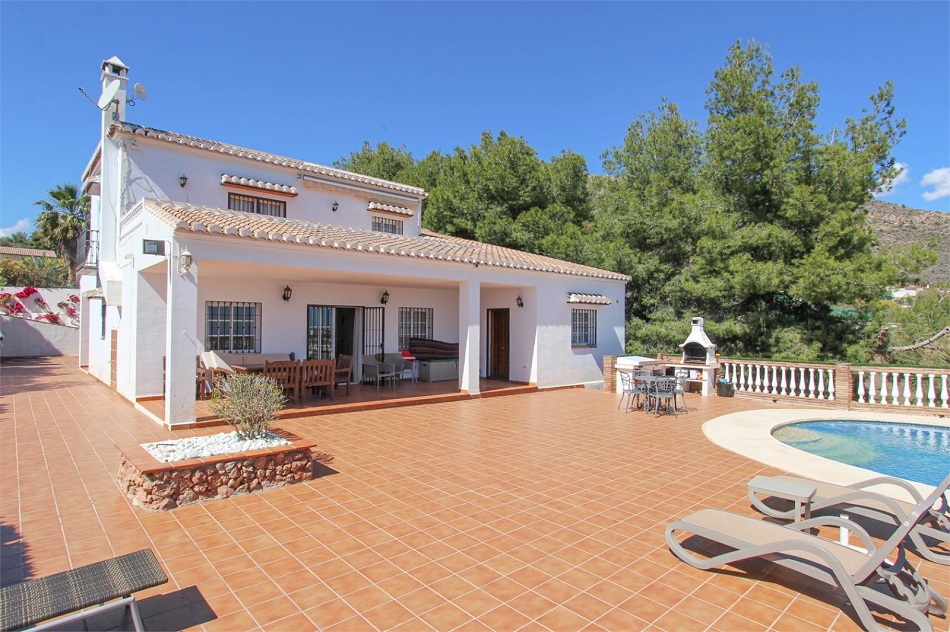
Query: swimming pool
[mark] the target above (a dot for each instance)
(913, 452)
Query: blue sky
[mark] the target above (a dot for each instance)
(313, 80)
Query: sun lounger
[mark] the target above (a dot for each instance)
(36, 600)
(866, 578)
(859, 500)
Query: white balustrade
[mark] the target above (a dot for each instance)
(906, 387)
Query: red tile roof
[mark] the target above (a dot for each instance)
(429, 245)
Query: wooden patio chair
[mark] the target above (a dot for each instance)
(343, 373)
(287, 375)
(316, 373)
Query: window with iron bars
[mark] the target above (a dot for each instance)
(232, 326)
(414, 322)
(387, 225)
(252, 204)
(583, 328)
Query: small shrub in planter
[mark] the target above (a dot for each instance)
(249, 403)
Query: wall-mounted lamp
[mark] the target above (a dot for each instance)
(184, 262)
(384, 298)
(519, 301)
(335, 206)
(287, 293)
(183, 180)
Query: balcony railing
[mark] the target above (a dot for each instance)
(87, 249)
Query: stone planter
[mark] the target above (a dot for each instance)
(155, 485)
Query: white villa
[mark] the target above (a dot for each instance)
(200, 245)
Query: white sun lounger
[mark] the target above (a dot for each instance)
(866, 578)
(858, 500)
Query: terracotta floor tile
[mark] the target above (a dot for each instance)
(460, 498)
(532, 605)
(561, 618)
(504, 617)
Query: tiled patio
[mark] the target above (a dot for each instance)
(541, 511)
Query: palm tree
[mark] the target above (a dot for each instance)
(64, 217)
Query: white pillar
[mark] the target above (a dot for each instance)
(181, 346)
(150, 314)
(469, 336)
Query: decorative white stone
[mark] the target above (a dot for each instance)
(212, 445)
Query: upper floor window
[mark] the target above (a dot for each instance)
(252, 204)
(583, 328)
(387, 225)
(233, 326)
(414, 322)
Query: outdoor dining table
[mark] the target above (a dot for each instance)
(651, 381)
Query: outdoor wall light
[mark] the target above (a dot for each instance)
(287, 293)
(384, 298)
(184, 262)
(183, 180)
(519, 301)
(335, 206)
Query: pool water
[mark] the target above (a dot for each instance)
(912, 452)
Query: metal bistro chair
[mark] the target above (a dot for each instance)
(664, 389)
(680, 391)
(626, 389)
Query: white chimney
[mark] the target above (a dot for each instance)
(698, 346)
(115, 77)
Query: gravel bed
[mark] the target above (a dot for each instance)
(212, 445)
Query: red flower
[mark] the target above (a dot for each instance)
(73, 298)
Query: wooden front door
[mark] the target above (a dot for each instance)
(499, 341)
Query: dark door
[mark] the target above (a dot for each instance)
(499, 334)
(345, 326)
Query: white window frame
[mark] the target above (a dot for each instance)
(583, 327)
(413, 322)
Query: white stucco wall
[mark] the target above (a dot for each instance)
(155, 168)
(32, 338)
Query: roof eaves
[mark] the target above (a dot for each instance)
(133, 129)
(210, 220)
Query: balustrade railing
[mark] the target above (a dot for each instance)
(807, 381)
(921, 388)
(842, 383)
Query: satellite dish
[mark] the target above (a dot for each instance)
(139, 91)
(108, 96)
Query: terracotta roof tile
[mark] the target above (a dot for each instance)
(258, 184)
(429, 245)
(26, 252)
(588, 299)
(259, 156)
(389, 208)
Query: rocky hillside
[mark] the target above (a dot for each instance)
(897, 225)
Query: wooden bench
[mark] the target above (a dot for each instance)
(35, 600)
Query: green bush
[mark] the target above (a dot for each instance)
(249, 403)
